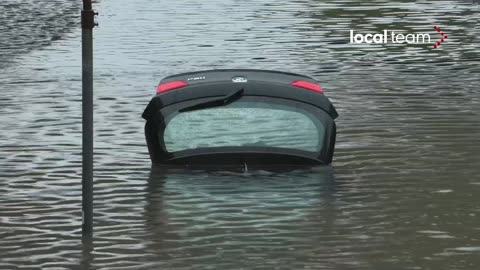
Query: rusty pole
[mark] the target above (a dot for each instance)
(88, 22)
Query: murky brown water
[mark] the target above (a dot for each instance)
(403, 191)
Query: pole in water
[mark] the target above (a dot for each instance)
(88, 23)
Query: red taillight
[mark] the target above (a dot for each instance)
(162, 88)
(309, 86)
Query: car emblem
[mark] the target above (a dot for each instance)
(239, 80)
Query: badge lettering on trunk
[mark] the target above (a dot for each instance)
(196, 78)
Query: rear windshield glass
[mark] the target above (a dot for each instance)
(245, 123)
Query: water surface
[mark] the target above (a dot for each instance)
(403, 191)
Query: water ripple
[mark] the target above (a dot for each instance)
(402, 193)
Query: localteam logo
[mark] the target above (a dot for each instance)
(396, 38)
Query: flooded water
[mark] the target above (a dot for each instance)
(403, 191)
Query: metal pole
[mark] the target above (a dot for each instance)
(87, 114)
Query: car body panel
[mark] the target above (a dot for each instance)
(268, 86)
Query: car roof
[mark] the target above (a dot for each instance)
(218, 75)
(218, 83)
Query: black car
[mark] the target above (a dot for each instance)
(240, 116)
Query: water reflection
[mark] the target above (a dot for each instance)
(259, 218)
(87, 256)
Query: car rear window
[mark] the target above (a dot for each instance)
(246, 123)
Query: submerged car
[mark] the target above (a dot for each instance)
(240, 117)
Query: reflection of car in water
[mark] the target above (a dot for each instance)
(220, 218)
(240, 117)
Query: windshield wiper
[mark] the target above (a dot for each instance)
(235, 95)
